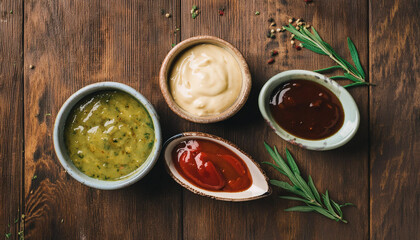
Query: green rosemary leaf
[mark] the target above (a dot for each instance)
(355, 84)
(299, 209)
(287, 187)
(301, 39)
(325, 213)
(313, 48)
(338, 77)
(313, 188)
(338, 208)
(298, 35)
(351, 77)
(275, 167)
(313, 42)
(316, 34)
(281, 184)
(306, 192)
(297, 199)
(347, 204)
(271, 152)
(305, 188)
(328, 203)
(309, 34)
(339, 58)
(355, 57)
(282, 164)
(328, 69)
(353, 70)
(292, 163)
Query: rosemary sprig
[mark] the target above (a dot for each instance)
(312, 41)
(306, 191)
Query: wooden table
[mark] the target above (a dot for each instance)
(74, 43)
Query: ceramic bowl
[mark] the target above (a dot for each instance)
(61, 149)
(258, 189)
(166, 68)
(351, 113)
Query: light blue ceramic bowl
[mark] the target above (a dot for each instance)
(61, 150)
(351, 113)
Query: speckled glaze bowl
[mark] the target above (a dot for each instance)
(166, 68)
(61, 150)
(351, 113)
(258, 189)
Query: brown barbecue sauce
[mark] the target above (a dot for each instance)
(306, 109)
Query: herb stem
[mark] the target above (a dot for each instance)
(312, 41)
(307, 192)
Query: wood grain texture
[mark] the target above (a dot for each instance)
(395, 120)
(75, 43)
(72, 44)
(344, 172)
(11, 117)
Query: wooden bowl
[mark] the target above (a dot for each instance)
(166, 68)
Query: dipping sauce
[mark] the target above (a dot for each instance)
(205, 80)
(108, 135)
(306, 109)
(210, 166)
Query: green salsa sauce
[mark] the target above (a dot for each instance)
(109, 134)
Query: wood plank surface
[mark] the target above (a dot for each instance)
(72, 44)
(344, 172)
(11, 117)
(75, 43)
(395, 120)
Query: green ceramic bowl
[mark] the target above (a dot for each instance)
(351, 113)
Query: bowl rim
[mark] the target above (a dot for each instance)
(342, 94)
(61, 152)
(206, 193)
(179, 49)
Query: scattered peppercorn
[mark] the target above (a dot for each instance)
(257, 13)
(278, 29)
(31, 66)
(297, 28)
(298, 47)
(167, 15)
(292, 42)
(271, 61)
(291, 20)
(221, 11)
(273, 24)
(272, 36)
(270, 20)
(11, 11)
(162, 11)
(272, 31)
(274, 53)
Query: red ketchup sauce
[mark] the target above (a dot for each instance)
(211, 166)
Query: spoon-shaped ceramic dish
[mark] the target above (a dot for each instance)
(258, 189)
